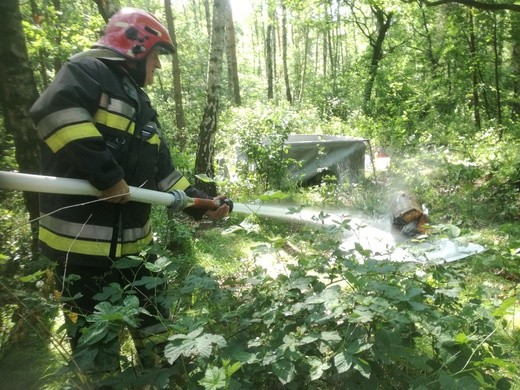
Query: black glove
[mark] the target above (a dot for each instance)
(228, 202)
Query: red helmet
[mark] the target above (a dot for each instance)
(133, 33)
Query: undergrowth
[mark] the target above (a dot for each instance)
(336, 319)
(329, 318)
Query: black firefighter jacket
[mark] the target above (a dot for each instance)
(96, 124)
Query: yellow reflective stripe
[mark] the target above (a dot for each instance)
(136, 246)
(72, 133)
(75, 229)
(174, 181)
(115, 121)
(61, 119)
(90, 232)
(66, 244)
(92, 248)
(182, 184)
(154, 140)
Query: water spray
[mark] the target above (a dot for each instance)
(368, 234)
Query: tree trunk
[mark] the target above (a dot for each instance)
(208, 126)
(57, 62)
(288, 94)
(384, 21)
(432, 58)
(257, 40)
(17, 94)
(408, 218)
(497, 65)
(232, 56)
(269, 54)
(207, 12)
(304, 62)
(42, 53)
(107, 8)
(515, 65)
(474, 73)
(176, 73)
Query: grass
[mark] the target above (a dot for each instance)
(29, 364)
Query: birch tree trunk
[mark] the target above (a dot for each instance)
(207, 12)
(231, 52)
(17, 94)
(176, 73)
(269, 55)
(288, 94)
(208, 127)
(303, 75)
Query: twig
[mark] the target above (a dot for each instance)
(475, 350)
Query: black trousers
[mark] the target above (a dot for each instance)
(81, 288)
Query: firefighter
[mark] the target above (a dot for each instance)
(95, 122)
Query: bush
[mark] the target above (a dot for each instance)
(337, 319)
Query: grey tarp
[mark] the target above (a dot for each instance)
(318, 155)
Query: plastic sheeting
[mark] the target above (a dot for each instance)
(384, 245)
(318, 155)
(373, 235)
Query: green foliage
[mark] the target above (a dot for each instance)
(337, 319)
(252, 143)
(461, 182)
(499, 185)
(53, 35)
(259, 135)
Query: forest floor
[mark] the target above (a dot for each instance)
(26, 365)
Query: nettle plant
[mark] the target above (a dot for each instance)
(338, 320)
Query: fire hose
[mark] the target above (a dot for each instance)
(177, 200)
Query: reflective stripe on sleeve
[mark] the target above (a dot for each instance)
(154, 140)
(60, 119)
(174, 181)
(73, 245)
(116, 106)
(114, 121)
(71, 133)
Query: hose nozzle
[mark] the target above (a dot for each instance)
(180, 200)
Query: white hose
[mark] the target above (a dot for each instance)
(177, 200)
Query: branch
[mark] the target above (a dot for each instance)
(476, 4)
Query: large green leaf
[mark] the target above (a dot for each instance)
(318, 367)
(285, 371)
(193, 344)
(214, 378)
(343, 362)
(95, 333)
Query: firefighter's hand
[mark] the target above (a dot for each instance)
(222, 211)
(118, 193)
